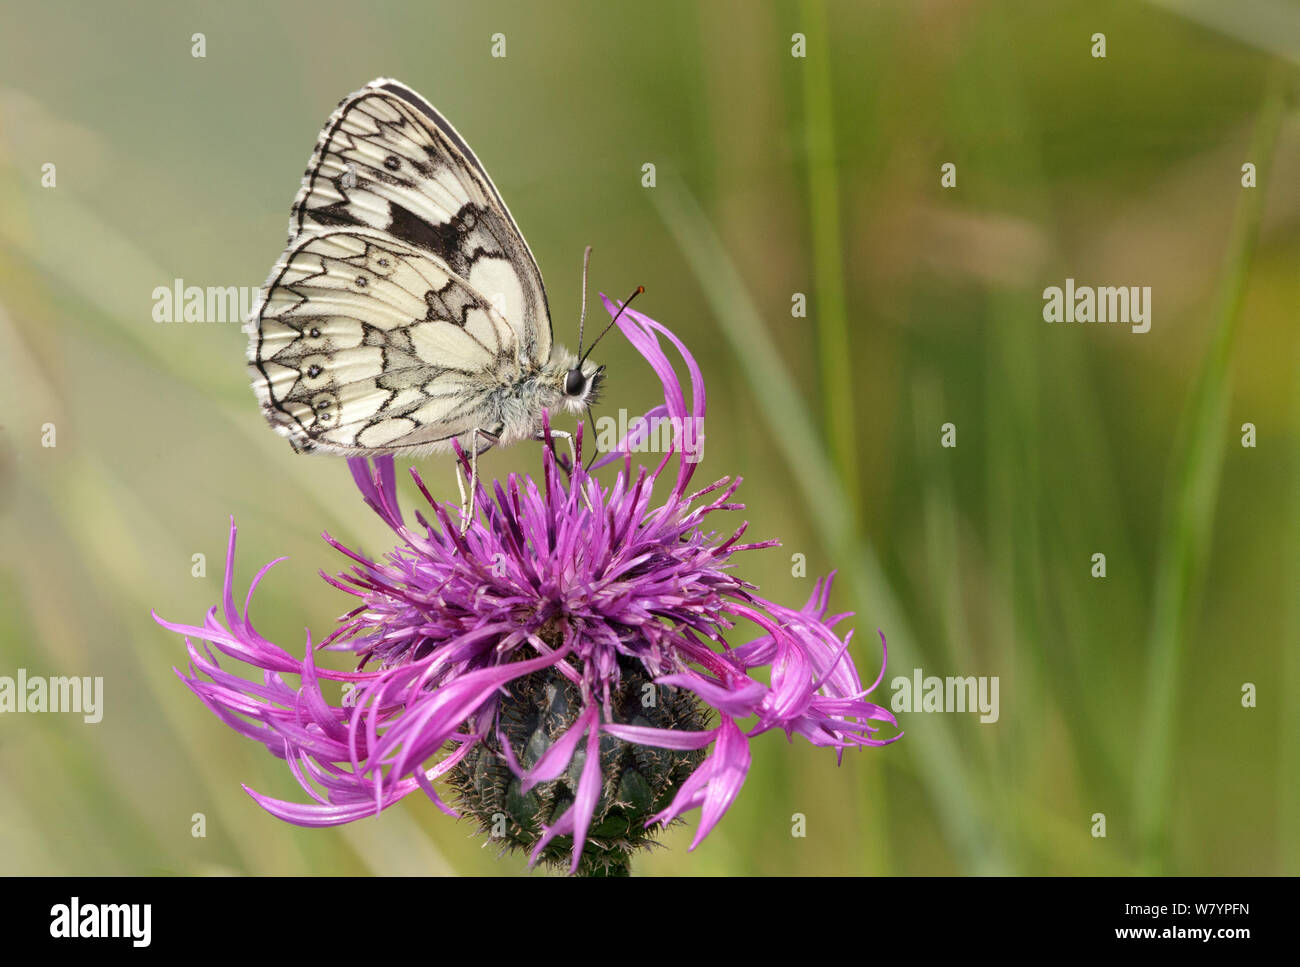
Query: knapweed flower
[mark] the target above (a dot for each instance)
(565, 663)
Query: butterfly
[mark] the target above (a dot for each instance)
(407, 313)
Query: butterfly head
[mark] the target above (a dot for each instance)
(580, 382)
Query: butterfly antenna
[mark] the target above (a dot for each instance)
(636, 292)
(582, 320)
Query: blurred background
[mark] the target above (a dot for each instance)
(775, 175)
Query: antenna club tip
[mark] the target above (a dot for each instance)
(640, 289)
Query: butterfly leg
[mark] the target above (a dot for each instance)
(467, 506)
(573, 457)
(568, 438)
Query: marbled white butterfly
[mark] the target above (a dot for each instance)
(407, 311)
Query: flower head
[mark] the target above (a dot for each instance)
(562, 662)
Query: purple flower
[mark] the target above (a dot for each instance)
(561, 662)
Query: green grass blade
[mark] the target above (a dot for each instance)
(1189, 515)
(829, 306)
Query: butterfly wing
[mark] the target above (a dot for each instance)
(388, 161)
(367, 344)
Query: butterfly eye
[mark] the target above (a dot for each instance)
(574, 382)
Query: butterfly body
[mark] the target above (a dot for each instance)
(407, 312)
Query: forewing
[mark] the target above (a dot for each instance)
(388, 161)
(366, 344)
